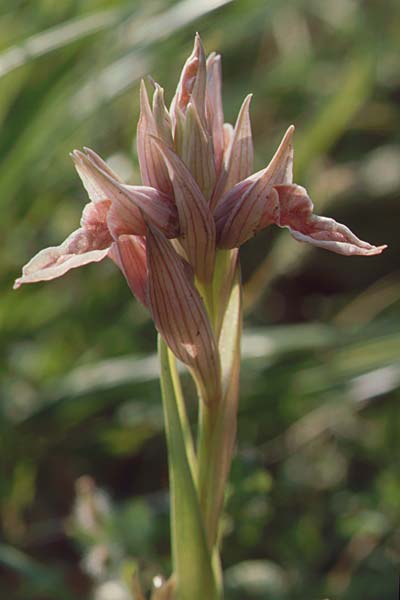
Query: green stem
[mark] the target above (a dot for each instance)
(198, 486)
(192, 559)
(208, 460)
(182, 415)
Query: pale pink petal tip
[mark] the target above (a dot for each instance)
(54, 262)
(84, 165)
(88, 244)
(295, 213)
(192, 82)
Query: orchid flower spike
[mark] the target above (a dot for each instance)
(198, 195)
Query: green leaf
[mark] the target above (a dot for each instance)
(191, 556)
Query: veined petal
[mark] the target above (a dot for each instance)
(196, 222)
(192, 83)
(132, 204)
(241, 212)
(226, 208)
(156, 208)
(295, 213)
(108, 187)
(240, 154)
(88, 244)
(161, 115)
(280, 169)
(97, 160)
(129, 253)
(84, 170)
(214, 109)
(152, 168)
(195, 147)
(228, 137)
(179, 314)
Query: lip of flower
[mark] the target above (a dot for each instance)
(294, 211)
(89, 243)
(129, 254)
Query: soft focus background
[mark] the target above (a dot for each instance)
(313, 509)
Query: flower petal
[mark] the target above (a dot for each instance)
(196, 222)
(129, 253)
(155, 207)
(239, 154)
(179, 314)
(214, 109)
(240, 213)
(152, 168)
(194, 145)
(295, 213)
(228, 137)
(84, 170)
(161, 116)
(97, 160)
(192, 133)
(192, 83)
(131, 204)
(88, 244)
(109, 187)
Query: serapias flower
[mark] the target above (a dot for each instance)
(198, 195)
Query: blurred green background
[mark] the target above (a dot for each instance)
(313, 509)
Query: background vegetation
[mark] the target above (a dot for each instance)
(314, 506)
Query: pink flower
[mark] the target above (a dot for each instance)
(198, 195)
